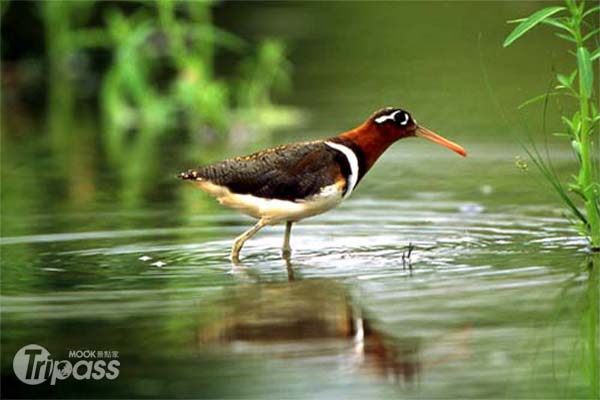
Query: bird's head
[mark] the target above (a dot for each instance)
(395, 123)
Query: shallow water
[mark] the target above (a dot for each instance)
(497, 298)
(496, 295)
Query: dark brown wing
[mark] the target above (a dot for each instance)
(289, 172)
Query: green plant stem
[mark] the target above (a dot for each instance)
(586, 177)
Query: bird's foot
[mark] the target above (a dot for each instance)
(235, 257)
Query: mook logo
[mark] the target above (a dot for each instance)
(33, 365)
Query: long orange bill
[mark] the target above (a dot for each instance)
(434, 137)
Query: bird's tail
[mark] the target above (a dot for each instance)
(190, 174)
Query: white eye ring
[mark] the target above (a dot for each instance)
(405, 120)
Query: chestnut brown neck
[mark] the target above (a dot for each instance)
(370, 140)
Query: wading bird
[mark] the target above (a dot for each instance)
(295, 181)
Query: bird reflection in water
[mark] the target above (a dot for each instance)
(317, 317)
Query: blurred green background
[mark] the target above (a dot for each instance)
(144, 89)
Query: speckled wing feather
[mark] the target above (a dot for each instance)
(289, 172)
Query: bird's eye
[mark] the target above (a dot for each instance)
(402, 118)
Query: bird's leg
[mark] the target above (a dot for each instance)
(240, 240)
(290, 269)
(286, 250)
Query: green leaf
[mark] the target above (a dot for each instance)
(591, 10)
(576, 122)
(567, 122)
(558, 24)
(563, 80)
(591, 34)
(576, 146)
(595, 54)
(572, 76)
(571, 6)
(584, 64)
(529, 23)
(535, 99)
(566, 37)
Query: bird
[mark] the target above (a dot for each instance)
(291, 182)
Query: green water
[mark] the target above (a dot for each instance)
(499, 298)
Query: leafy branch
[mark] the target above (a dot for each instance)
(571, 23)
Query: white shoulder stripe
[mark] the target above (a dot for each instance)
(352, 160)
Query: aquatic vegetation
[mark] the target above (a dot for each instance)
(162, 57)
(157, 79)
(574, 23)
